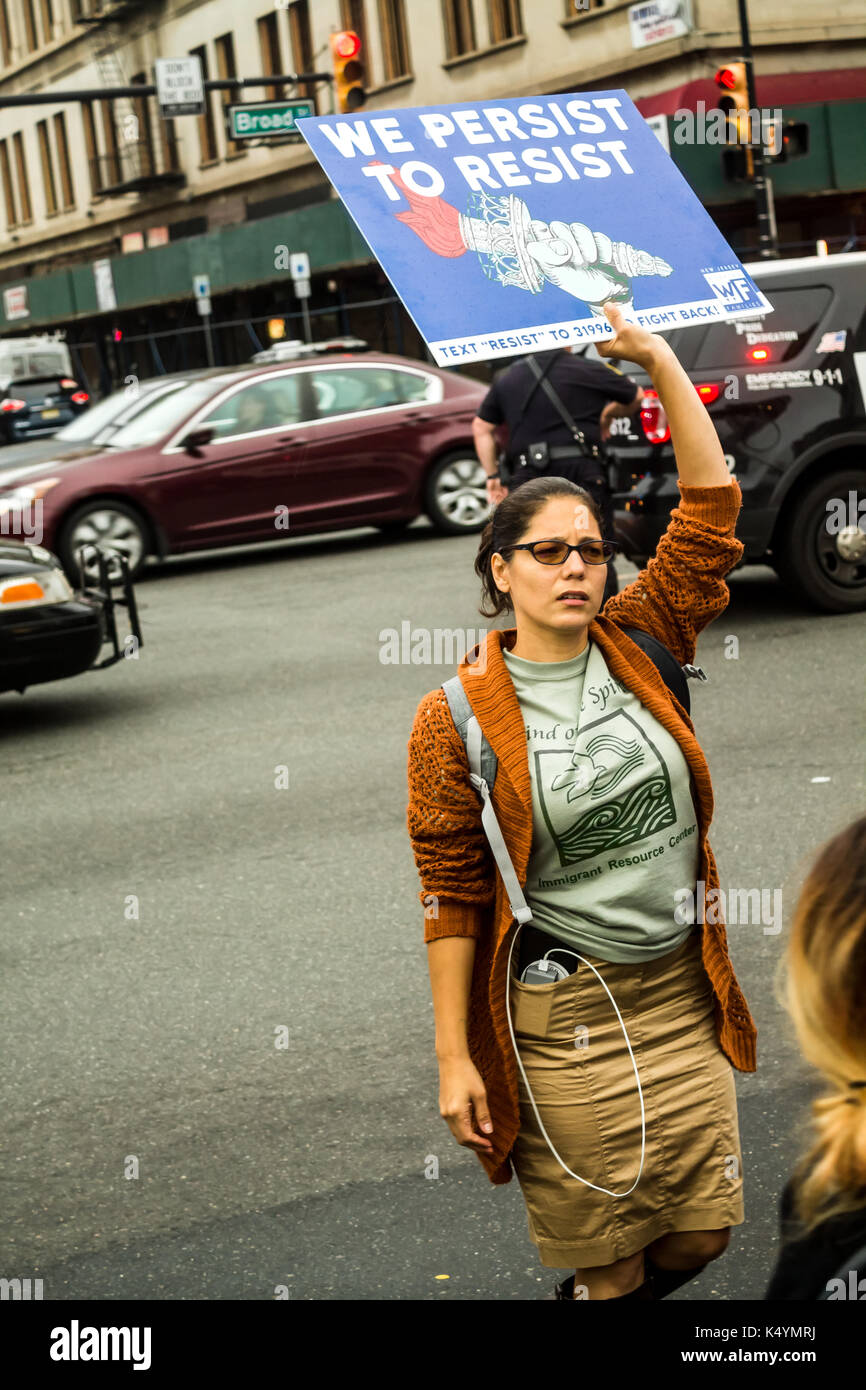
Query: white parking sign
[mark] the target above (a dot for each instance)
(299, 265)
(179, 86)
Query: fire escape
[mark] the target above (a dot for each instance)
(134, 161)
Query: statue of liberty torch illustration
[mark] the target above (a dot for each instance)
(517, 249)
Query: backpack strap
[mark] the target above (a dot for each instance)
(461, 712)
(675, 676)
(483, 760)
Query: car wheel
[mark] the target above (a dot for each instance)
(456, 494)
(104, 523)
(821, 552)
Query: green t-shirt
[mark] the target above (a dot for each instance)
(614, 829)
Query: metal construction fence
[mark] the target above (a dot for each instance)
(105, 365)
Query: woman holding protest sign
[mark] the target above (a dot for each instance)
(586, 1032)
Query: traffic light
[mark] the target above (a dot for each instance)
(348, 70)
(737, 160)
(794, 143)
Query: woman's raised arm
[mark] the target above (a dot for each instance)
(698, 453)
(682, 587)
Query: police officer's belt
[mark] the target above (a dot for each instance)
(561, 451)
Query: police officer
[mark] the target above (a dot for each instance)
(590, 392)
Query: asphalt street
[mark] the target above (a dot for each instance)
(219, 1073)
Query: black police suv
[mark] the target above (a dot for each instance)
(787, 395)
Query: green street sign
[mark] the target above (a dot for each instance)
(258, 118)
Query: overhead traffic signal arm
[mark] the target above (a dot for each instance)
(348, 70)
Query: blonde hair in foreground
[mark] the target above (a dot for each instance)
(823, 988)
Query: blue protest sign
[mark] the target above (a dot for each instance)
(602, 214)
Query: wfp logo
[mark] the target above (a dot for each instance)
(733, 288)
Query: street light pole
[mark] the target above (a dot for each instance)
(768, 248)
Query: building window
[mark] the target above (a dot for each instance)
(112, 158)
(23, 182)
(8, 186)
(66, 189)
(395, 40)
(168, 135)
(272, 62)
(47, 21)
(227, 67)
(48, 180)
(206, 128)
(5, 36)
(144, 137)
(29, 25)
(506, 21)
(91, 146)
(459, 27)
(302, 47)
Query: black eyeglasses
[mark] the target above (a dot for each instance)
(557, 552)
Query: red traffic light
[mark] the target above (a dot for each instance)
(118, 334)
(727, 78)
(349, 91)
(347, 44)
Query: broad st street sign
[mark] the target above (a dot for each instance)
(255, 119)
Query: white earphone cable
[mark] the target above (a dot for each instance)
(559, 1160)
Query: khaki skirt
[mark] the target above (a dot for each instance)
(574, 1053)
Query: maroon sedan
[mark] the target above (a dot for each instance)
(241, 454)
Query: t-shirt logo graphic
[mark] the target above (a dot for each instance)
(613, 789)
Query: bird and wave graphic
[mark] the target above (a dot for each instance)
(585, 775)
(585, 812)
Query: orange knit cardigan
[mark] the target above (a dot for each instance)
(680, 591)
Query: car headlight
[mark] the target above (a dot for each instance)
(28, 590)
(27, 492)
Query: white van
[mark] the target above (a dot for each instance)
(37, 356)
